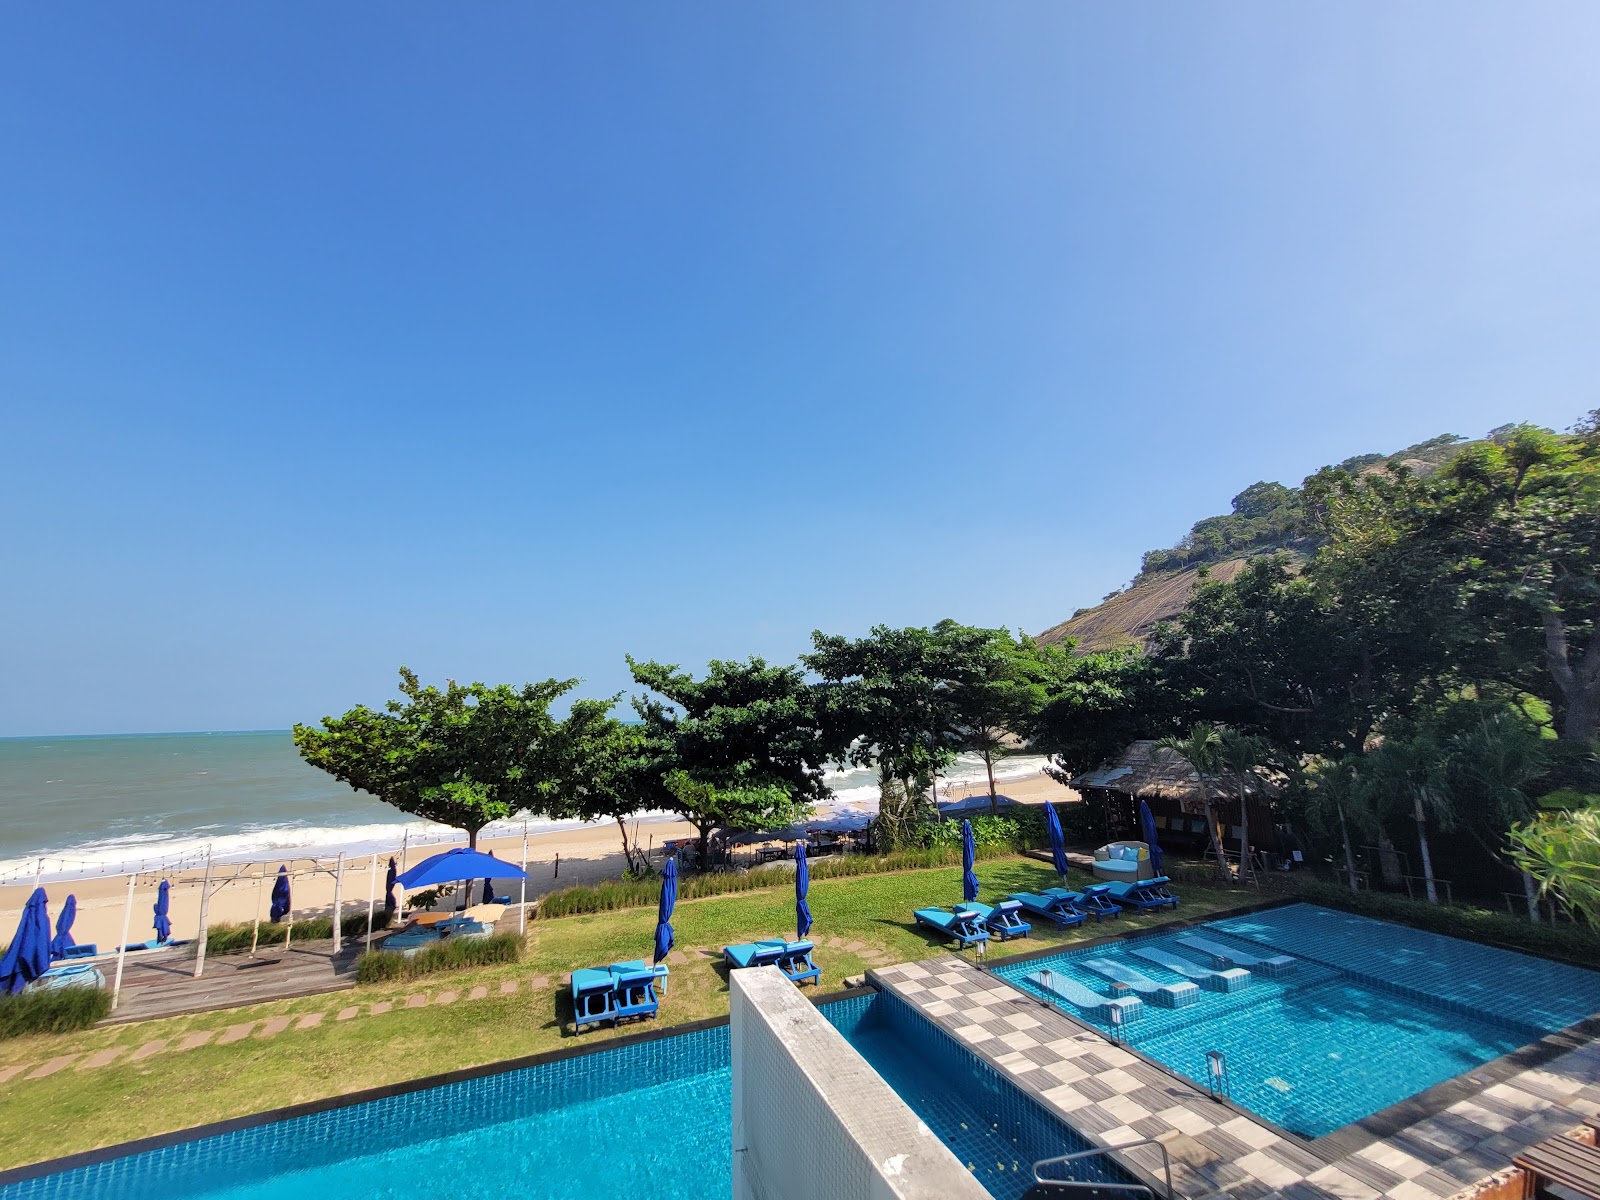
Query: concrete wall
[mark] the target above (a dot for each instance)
(812, 1119)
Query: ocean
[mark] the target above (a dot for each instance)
(80, 806)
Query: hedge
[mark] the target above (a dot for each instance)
(231, 938)
(53, 1010)
(452, 954)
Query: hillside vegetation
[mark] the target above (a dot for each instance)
(1265, 518)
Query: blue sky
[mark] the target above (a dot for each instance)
(504, 341)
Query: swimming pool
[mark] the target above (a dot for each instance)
(1369, 1014)
(655, 1114)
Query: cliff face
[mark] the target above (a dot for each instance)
(1128, 617)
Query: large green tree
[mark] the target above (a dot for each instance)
(998, 689)
(607, 770)
(459, 755)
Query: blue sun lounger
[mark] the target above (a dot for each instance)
(1004, 920)
(634, 986)
(792, 958)
(1091, 902)
(1227, 956)
(963, 923)
(1231, 980)
(1148, 895)
(795, 962)
(594, 997)
(409, 941)
(1050, 908)
(1168, 995)
(1064, 987)
(659, 970)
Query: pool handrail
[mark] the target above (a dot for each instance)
(1097, 1151)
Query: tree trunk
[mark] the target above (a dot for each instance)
(988, 763)
(1349, 854)
(704, 844)
(1422, 839)
(1216, 841)
(472, 839)
(1246, 867)
(628, 850)
(1578, 683)
(1530, 892)
(1388, 861)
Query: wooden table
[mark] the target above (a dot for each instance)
(1563, 1160)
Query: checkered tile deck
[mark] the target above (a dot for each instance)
(1114, 1097)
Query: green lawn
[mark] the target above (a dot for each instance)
(77, 1110)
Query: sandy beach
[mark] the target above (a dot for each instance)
(556, 859)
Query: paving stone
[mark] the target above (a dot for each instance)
(275, 1026)
(193, 1041)
(417, 1000)
(539, 982)
(309, 1021)
(346, 1014)
(9, 1073)
(676, 958)
(381, 1007)
(234, 1033)
(448, 997)
(148, 1050)
(101, 1058)
(55, 1064)
(507, 986)
(478, 993)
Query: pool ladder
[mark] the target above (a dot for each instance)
(1043, 1186)
(1217, 1081)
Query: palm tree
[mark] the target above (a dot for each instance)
(1563, 850)
(1241, 756)
(1202, 750)
(1492, 764)
(1412, 769)
(1336, 792)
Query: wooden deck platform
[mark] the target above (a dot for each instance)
(161, 983)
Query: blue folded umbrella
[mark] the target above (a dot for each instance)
(969, 852)
(1147, 826)
(1058, 842)
(281, 900)
(62, 942)
(802, 885)
(28, 957)
(669, 900)
(161, 924)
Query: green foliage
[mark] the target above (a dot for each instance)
(451, 954)
(53, 1010)
(1562, 851)
(1095, 704)
(232, 938)
(1264, 514)
(998, 835)
(463, 756)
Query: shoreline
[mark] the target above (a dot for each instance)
(585, 854)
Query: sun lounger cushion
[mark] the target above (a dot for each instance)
(753, 954)
(1050, 908)
(963, 925)
(1004, 920)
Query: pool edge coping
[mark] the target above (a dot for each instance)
(196, 1133)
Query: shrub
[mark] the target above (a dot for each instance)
(995, 834)
(628, 893)
(53, 1010)
(452, 954)
(232, 938)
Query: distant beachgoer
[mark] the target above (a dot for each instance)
(558, 864)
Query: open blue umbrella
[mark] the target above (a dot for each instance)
(1058, 843)
(163, 926)
(455, 865)
(389, 902)
(29, 954)
(669, 900)
(281, 899)
(63, 937)
(1147, 826)
(969, 853)
(802, 885)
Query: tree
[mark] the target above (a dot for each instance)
(1562, 850)
(1240, 757)
(1408, 770)
(1201, 748)
(608, 770)
(998, 687)
(1095, 704)
(741, 736)
(1334, 793)
(887, 700)
(461, 756)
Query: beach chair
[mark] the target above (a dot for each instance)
(1150, 895)
(659, 970)
(1168, 995)
(409, 940)
(1004, 920)
(1092, 901)
(1051, 908)
(795, 962)
(594, 998)
(1230, 980)
(634, 992)
(753, 954)
(962, 923)
(73, 975)
(87, 950)
(1064, 987)
(1227, 956)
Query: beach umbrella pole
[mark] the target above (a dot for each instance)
(372, 896)
(288, 929)
(205, 904)
(522, 909)
(255, 932)
(122, 946)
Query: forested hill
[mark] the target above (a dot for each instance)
(1265, 517)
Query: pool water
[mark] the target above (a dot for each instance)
(1371, 1013)
(652, 1116)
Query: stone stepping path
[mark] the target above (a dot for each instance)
(269, 1028)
